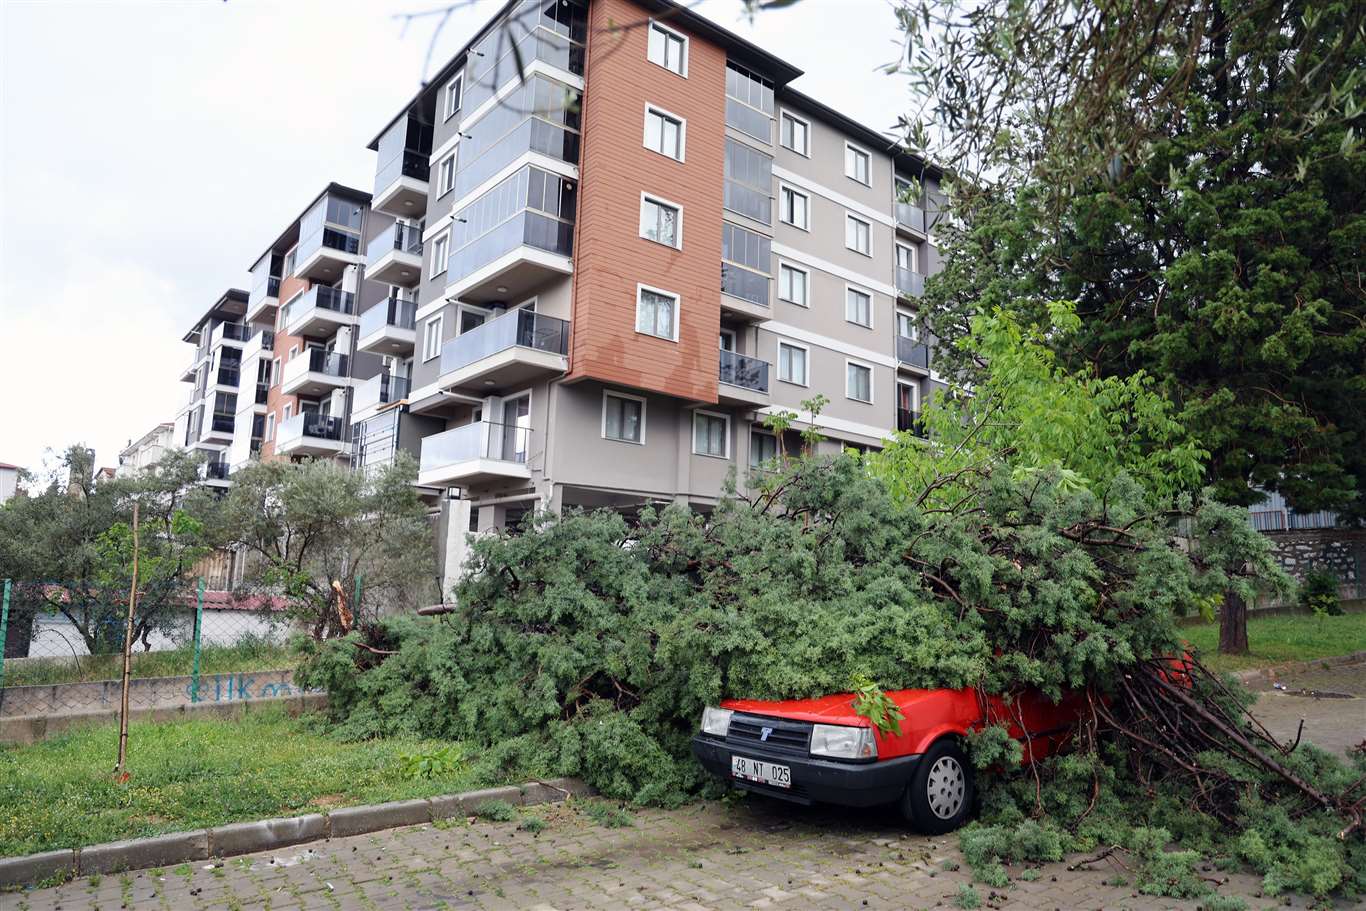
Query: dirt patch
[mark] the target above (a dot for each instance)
(327, 801)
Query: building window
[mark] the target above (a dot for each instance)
(668, 49)
(710, 434)
(431, 337)
(623, 417)
(858, 235)
(661, 222)
(905, 325)
(792, 284)
(446, 175)
(749, 103)
(748, 187)
(275, 372)
(858, 382)
(792, 364)
(270, 426)
(796, 134)
(455, 93)
(746, 261)
(440, 251)
(657, 313)
(664, 133)
(905, 257)
(857, 164)
(763, 448)
(792, 208)
(289, 410)
(858, 307)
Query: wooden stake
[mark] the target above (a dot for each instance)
(128, 653)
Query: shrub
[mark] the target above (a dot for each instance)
(1319, 593)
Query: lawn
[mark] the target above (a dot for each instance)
(191, 774)
(1288, 637)
(249, 655)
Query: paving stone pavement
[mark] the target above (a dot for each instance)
(753, 853)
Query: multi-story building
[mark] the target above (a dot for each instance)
(620, 242)
(207, 421)
(9, 481)
(300, 362)
(146, 450)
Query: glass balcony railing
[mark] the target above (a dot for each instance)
(229, 374)
(480, 440)
(223, 423)
(408, 163)
(262, 393)
(381, 389)
(311, 425)
(910, 351)
(518, 329)
(216, 471)
(392, 313)
(323, 298)
(331, 363)
(908, 283)
(235, 332)
(526, 228)
(267, 287)
(744, 284)
(397, 236)
(745, 372)
(908, 421)
(910, 216)
(532, 135)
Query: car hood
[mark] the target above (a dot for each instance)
(834, 709)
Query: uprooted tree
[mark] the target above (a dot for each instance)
(1032, 546)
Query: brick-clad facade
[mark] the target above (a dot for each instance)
(611, 259)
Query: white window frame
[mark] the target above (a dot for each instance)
(784, 113)
(442, 242)
(900, 312)
(915, 255)
(275, 366)
(915, 394)
(757, 431)
(644, 407)
(270, 427)
(667, 203)
(806, 273)
(439, 323)
(849, 218)
(725, 454)
(288, 410)
(683, 67)
(867, 157)
(721, 340)
(872, 305)
(850, 362)
(455, 101)
(682, 132)
(678, 307)
(806, 361)
(444, 187)
(782, 209)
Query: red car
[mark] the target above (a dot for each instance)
(820, 751)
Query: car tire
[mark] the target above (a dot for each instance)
(939, 797)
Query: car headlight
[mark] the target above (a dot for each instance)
(716, 721)
(841, 742)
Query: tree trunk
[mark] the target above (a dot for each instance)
(1233, 626)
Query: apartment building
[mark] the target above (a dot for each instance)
(207, 422)
(300, 361)
(620, 240)
(146, 450)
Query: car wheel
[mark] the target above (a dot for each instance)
(939, 797)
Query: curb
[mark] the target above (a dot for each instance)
(1291, 667)
(269, 834)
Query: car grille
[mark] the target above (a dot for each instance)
(784, 736)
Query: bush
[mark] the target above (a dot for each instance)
(1319, 593)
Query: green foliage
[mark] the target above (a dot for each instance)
(967, 897)
(872, 703)
(1163, 872)
(496, 811)
(988, 848)
(434, 763)
(607, 815)
(1319, 593)
(993, 747)
(533, 824)
(1224, 903)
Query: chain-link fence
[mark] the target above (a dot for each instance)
(63, 651)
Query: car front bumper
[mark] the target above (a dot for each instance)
(849, 784)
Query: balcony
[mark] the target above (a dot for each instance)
(910, 218)
(512, 260)
(510, 350)
(229, 374)
(324, 254)
(743, 380)
(315, 372)
(265, 297)
(215, 473)
(912, 353)
(745, 293)
(263, 340)
(234, 334)
(908, 283)
(218, 428)
(394, 256)
(311, 434)
(319, 311)
(908, 421)
(388, 327)
(382, 389)
(474, 453)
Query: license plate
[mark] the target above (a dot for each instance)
(763, 772)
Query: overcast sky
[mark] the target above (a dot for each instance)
(150, 151)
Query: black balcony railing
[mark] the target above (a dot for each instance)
(216, 471)
(745, 372)
(908, 421)
(912, 352)
(321, 360)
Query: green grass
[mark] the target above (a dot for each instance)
(191, 774)
(1287, 637)
(249, 655)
